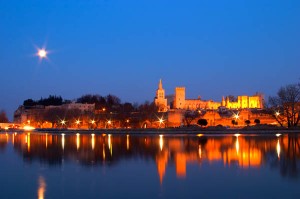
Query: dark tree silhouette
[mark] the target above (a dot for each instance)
(29, 103)
(247, 122)
(234, 122)
(202, 122)
(3, 117)
(257, 121)
(286, 105)
(53, 115)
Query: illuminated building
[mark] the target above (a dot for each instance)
(160, 100)
(180, 102)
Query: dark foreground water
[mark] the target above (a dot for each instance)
(136, 166)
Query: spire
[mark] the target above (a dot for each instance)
(223, 103)
(160, 84)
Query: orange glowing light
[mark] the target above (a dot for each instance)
(28, 128)
(161, 120)
(236, 116)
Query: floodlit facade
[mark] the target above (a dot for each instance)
(180, 102)
(160, 99)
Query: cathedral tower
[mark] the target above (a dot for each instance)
(160, 100)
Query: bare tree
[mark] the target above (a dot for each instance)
(189, 116)
(232, 98)
(286, 105)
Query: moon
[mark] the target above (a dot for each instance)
(42, 53)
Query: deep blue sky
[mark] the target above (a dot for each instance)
(124, 47)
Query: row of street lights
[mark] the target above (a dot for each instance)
(63, 122)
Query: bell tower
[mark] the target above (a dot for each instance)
(160, 100)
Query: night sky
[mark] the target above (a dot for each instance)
(124, 47)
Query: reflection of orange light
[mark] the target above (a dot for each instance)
(161, 142)
(237, 145)
(278, 148)
(77, 140)
(127, 142)
(41, 188)
(63, 141)
(93, 141)
(181, 164)
(103, 151)
(46, 140)
(200, 151)
(109, 141)
(161, 162)
(110, 144)
(28, 141)
(243, 153)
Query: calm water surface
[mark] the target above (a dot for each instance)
(74, 165)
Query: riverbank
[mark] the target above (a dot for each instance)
(171, 131)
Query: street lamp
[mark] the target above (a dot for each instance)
(161, 121)
(108, 123)
(236, 116)
(92, 122)
(77, 122)
(63, 122)
(277, 113)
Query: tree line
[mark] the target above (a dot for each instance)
(107, 108)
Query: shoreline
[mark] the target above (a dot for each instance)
(165, 131)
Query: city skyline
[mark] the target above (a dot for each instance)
(124, 48)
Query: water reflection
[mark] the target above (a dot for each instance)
(93, 141)
(28, 142)
(77, 140)
(41, 188)
(231, 150)
(278, 148)
(127, 142)
(161, 142)
(63, 141)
